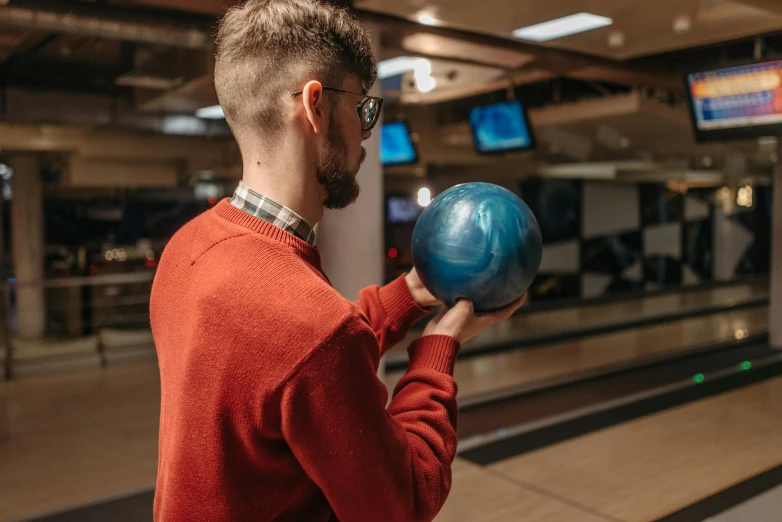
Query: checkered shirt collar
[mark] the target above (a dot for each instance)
(262, 207)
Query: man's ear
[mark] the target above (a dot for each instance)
(314, 104)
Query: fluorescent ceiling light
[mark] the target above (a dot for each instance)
(577, 23)
(215, 112)
(403, 64)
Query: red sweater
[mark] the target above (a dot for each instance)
(271, 408)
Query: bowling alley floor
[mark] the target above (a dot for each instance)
(539, 325)
(495, 373)
(546, 430)
(71, 446)
(649, 469)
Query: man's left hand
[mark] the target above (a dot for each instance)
(421, 295)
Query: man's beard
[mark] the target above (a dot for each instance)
(337, 179)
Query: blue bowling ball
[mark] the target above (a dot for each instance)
(477, 241)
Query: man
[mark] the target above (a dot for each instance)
(271, 407)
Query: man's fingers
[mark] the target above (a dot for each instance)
(463, 309)
(460, 314)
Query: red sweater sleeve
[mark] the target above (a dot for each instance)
(374, 463)
(391, 311)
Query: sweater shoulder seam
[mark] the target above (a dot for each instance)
(255, 234)
(217, 243)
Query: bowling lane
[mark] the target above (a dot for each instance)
(492, 375)
(528, 327)
(480, 496)
(74, 438)
(649, 468)
(492, 431)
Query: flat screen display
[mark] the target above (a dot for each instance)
(737, 102)
(396, 146)
(403, 209)
(501, 127)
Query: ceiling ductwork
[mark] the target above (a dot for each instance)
(114, 27)
(166, 68)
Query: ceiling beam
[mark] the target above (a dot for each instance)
(619, 74)
(35, 72)
(107, 23)
(399, 31)
(450, 48)
(196, 153)
(523, 77)
(191, 96)
(596, 109)
(207, 7)
(772, 6)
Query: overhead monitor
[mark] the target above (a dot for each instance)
(501, 127)
(396, 145)
(402, 209)
(737, 102)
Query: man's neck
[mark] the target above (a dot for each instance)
(288, 185)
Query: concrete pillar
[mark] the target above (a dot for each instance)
(27, 245)
(775, 310)
(351, 240)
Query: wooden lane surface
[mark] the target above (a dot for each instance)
(572, 318)
(95, 435)
(71, 439)
(477, 495)
(494, 372)
(84, 437)
(75, 438)
(646, 469)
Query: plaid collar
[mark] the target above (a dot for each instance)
(271, 211)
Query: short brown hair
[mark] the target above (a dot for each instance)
(265, 47)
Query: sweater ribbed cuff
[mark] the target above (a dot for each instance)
(436, 352)
(399, 305)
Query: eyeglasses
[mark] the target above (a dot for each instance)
(368, 108)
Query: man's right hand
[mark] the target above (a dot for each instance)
(461, 323)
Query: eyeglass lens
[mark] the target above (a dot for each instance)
(369, 113)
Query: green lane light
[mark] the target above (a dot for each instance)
(746, 365)
(699, 378)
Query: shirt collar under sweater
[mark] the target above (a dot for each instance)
(269, 210)
(225, 210)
